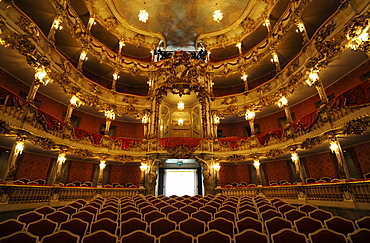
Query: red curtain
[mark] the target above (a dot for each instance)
(231, 142)
(49, 122)
(179, 141)
(358, 95)
(264, 137)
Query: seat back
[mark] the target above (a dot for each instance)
(363, 222)
(161, 226)
(129, 215)
(176, 236)
(58, 217)
(213, 235)
(320, 214)
(75, 226)
(84, 215)
(285, 208)
(42, 227)
(307, 208)
(132, 225)
(251, 235)
(100, 236)
(61, 236)
(107, 215)
(288, 235)
(340, 225)
(192, 226)
(277, 223)
(10, 226)
(328, 236)
(203, 216)
(177, 216)
(138, 236)
(247, 213)
(249, 223)
(105, 224)
(68, 209)
(294, 214)
(21, 237)
(307, 225)
(45, 210)
(269, 214)
(153, 215)
(189, 209)
(29, 217)
(359, 236)
(168, 209)
(223, 225)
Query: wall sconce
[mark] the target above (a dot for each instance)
(75, 101)
(300, 28)
(294, 157)
(216, 119)
(91, 21)
(266, 23)
(57, 24)
(334, 147)
(250, 115)
(83, 55)
(116, 76)
(180, 106)
(275, 58)
(145, 119)
(256, 163)
(109, 114)
(42, 76)
(217, 166)
(144, 166)
(244, 77)
(61, 158)
(19, 146)
(180, 122)
(313, 77)
(102, 164)
(282, 102)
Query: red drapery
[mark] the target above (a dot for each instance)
(10, 98)
(79, 133)
(49, 122)
(179, 141)
(305, 122)
(96, 138)
(264, 137)
(358, 95)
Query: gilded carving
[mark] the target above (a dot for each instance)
(274, 153)
(130, 100)
(357, 127)
(4, 127)
(229, 100)
(82, 153)
(236, 158)
(222, 40)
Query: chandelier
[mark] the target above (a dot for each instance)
(143, 15)
(217, 15)
(180, 106)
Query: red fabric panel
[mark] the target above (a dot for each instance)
(124, 174)
(174, 142)
(13, 99)
(305, 122)
(234, 173)
(321, 165)
(363, 156)
(79, 133)
(80, 171)
(34, 167)
(264, 137)
(277, 171)
(49, 122)
(96, 138)
(358, 95)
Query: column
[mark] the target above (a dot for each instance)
(298, 170)
(74, 103)
(244, 77)
(11, 165)
(144, 170)
(110, 116)
(60, 161)
(283, 103)
(215, 122)
(82, 59)
(145, 121)
(301, 29)
(41, 77)
(239, 46)
(102, 166)
(216, 167)
(275, 60)
(249, 116)
(57, 25)
(342, 165)
(90, 24)
(115, 78)
(256, 164)
(314, 80)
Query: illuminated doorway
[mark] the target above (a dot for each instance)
(180, 182)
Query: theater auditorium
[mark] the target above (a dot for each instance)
(184, 121)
